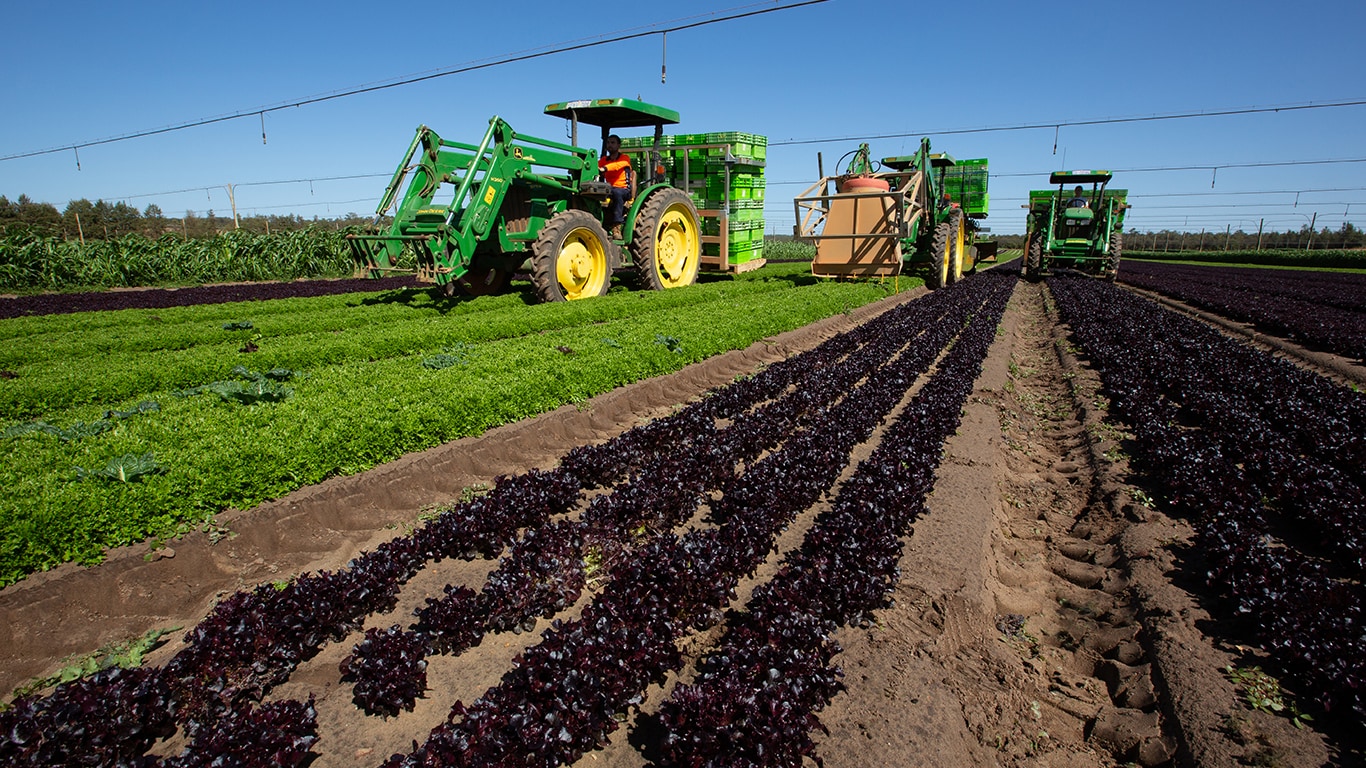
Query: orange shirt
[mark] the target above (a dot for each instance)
(615, 172)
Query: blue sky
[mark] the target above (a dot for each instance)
(839, 70)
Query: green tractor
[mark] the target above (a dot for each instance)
(474, 214)
(1081, 230)
(883, 218)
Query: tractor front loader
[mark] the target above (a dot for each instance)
(475, 214)
(1082, 232)
(882, 218)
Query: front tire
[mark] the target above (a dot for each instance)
(484, 281)
(570, 258)
(666, 242)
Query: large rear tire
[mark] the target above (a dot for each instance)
(957, 245)
(570, 258)
(947, 250)
(666, 242)
(1116, 249)
(1034, 257)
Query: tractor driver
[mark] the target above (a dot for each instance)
(1078, 199)
(615, 167)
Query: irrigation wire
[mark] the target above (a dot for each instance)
(471, 67)
(1056, 124)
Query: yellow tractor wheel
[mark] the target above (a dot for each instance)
(570, 259)
(666, 242)
(946, 253)
(958, 245)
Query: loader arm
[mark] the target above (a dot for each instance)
(445, 236)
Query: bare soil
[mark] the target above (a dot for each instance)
(1045, 615)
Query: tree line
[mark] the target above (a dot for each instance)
(102, 220)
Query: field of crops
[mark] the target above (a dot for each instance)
(1004, 523)
(152, 421)
(759, 452)
(31, 262)
(1322, 310)
(1296, 258)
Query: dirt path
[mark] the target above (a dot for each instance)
(1038, 620)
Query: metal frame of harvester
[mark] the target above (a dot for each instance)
(1089, 239)
(921, 213)
(517, 202)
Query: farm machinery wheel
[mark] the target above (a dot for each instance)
(666, 242)
(947, 253)
(958, 238)
(1034, 258)
(1116, 248)
(570, 258)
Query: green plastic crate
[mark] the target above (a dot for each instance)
(737, 254)
(966, 183)
(743, 146)
(739, 230)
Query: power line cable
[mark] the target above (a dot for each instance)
(1157, 169)
(1056, 124)
(1212, 167)
(486, 64)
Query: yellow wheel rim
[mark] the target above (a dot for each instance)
(581, 266)
(677, 247)
(960, 242)
(944, 262)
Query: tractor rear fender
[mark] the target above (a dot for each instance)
(642, 194)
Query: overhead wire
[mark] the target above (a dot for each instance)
(469, 67)
(1056, 124)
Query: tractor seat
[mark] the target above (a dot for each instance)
(1078, 215)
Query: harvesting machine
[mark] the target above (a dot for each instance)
(882, 218)
(1083, 231)
(474, 214)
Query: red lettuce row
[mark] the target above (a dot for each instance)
(567, 694)
(1323, 310)
(1264, 458)
(656, 498)
(756, 696)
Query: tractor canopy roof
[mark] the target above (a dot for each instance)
(1078, 177)
(903, 162)
(613, 113)
(900, 163)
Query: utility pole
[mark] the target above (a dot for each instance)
(1201, 247)
(80, 231)
(1228, 233)
(1260, 224)
(1312, 219)
(233, 202)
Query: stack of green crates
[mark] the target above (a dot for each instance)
(966, 183)
(705, 154)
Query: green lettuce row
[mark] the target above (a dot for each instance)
(345, 417)
(106, 369)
